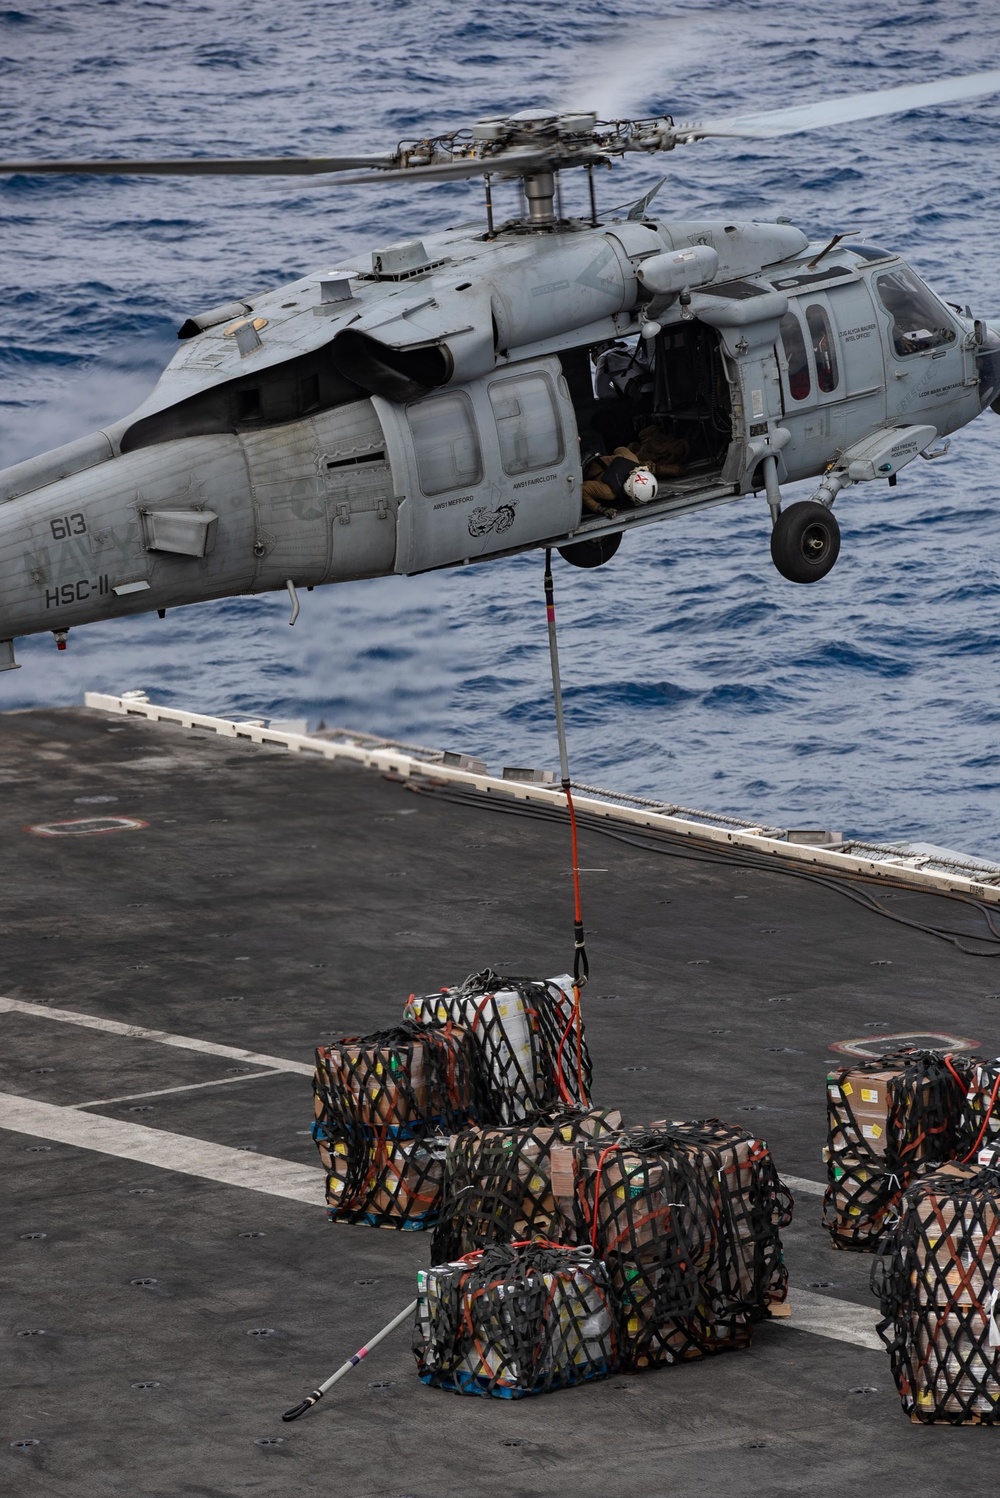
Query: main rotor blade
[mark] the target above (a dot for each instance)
(503, 163)
(209, 166)
(776, 122)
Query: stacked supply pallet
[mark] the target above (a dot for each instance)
(515, 1181)
(385, 1106)
(888, 1118)
(515, 1319)
(685, 1217)
(743, 1273)
(937, 1277)
(630, 1217)
(529, 1037)
(728, 1207)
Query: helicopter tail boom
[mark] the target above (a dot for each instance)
(193, 519)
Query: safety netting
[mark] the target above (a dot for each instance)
(742, 1270)
(516, 1181)
(888, 1118)
(687, 1217)
(515, 1319)
(633, 1224)
(937, 1276)
(385, 1106)
(529, 1039)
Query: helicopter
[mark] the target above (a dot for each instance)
(444, 404)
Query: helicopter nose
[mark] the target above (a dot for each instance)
(988, 367)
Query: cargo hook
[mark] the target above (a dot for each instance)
(295, 600)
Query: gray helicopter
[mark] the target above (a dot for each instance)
(545, 382)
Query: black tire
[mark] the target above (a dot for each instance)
(805, 542)
(591, 553)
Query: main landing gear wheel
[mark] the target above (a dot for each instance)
(591, 553)
(805, 542)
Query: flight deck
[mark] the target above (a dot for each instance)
(188, 908)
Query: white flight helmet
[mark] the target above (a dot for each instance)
(640, 486)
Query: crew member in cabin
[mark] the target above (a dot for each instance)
(613, 480)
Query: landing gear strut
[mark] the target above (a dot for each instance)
(805, 542)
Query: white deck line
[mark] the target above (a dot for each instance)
(133, 1097)
(841, 1320)
(193, 1157)
(892, 866)
(802, 1187)
(162, 1037)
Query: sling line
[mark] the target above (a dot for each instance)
(581, 965)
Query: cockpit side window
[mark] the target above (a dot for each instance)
(919, 322)
(795, 352)
(527, 423)
(445, 442)
(827, 374)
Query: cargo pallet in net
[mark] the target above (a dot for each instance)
(686, 1217)
(385, 1106)
(887, 1118)
(515, 1181)
(716, 1188)
(515, 1319)
(937, 1276)
(529, 1037)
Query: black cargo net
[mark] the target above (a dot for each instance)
(937, 1276)
(888, 1118)
(726, 1208)
(529, 1037)
(631, 1217)
(744, 1271)
(385, 1105)
(517, 1181)
(516, 1319)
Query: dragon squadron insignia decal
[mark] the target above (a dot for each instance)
(483, 520)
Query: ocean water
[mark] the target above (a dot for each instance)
(869, 702)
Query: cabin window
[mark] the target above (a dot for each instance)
(795, 352)
(821, 334)
(919, 322)
(528, 424)
(445, 442)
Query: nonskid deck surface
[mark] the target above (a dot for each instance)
(269, 902)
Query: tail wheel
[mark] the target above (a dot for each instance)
(591, 553)
(805, 542)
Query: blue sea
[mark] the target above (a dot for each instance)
(869, 702)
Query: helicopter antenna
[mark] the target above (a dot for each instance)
(491, 233)
(638, 209)
(828, 247)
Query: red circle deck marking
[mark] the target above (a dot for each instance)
(86, 826)
(870, 1046)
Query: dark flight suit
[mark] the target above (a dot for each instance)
(604, 480)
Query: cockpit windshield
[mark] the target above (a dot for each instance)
(919, 321)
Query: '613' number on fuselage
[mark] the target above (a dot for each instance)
(68, 525)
